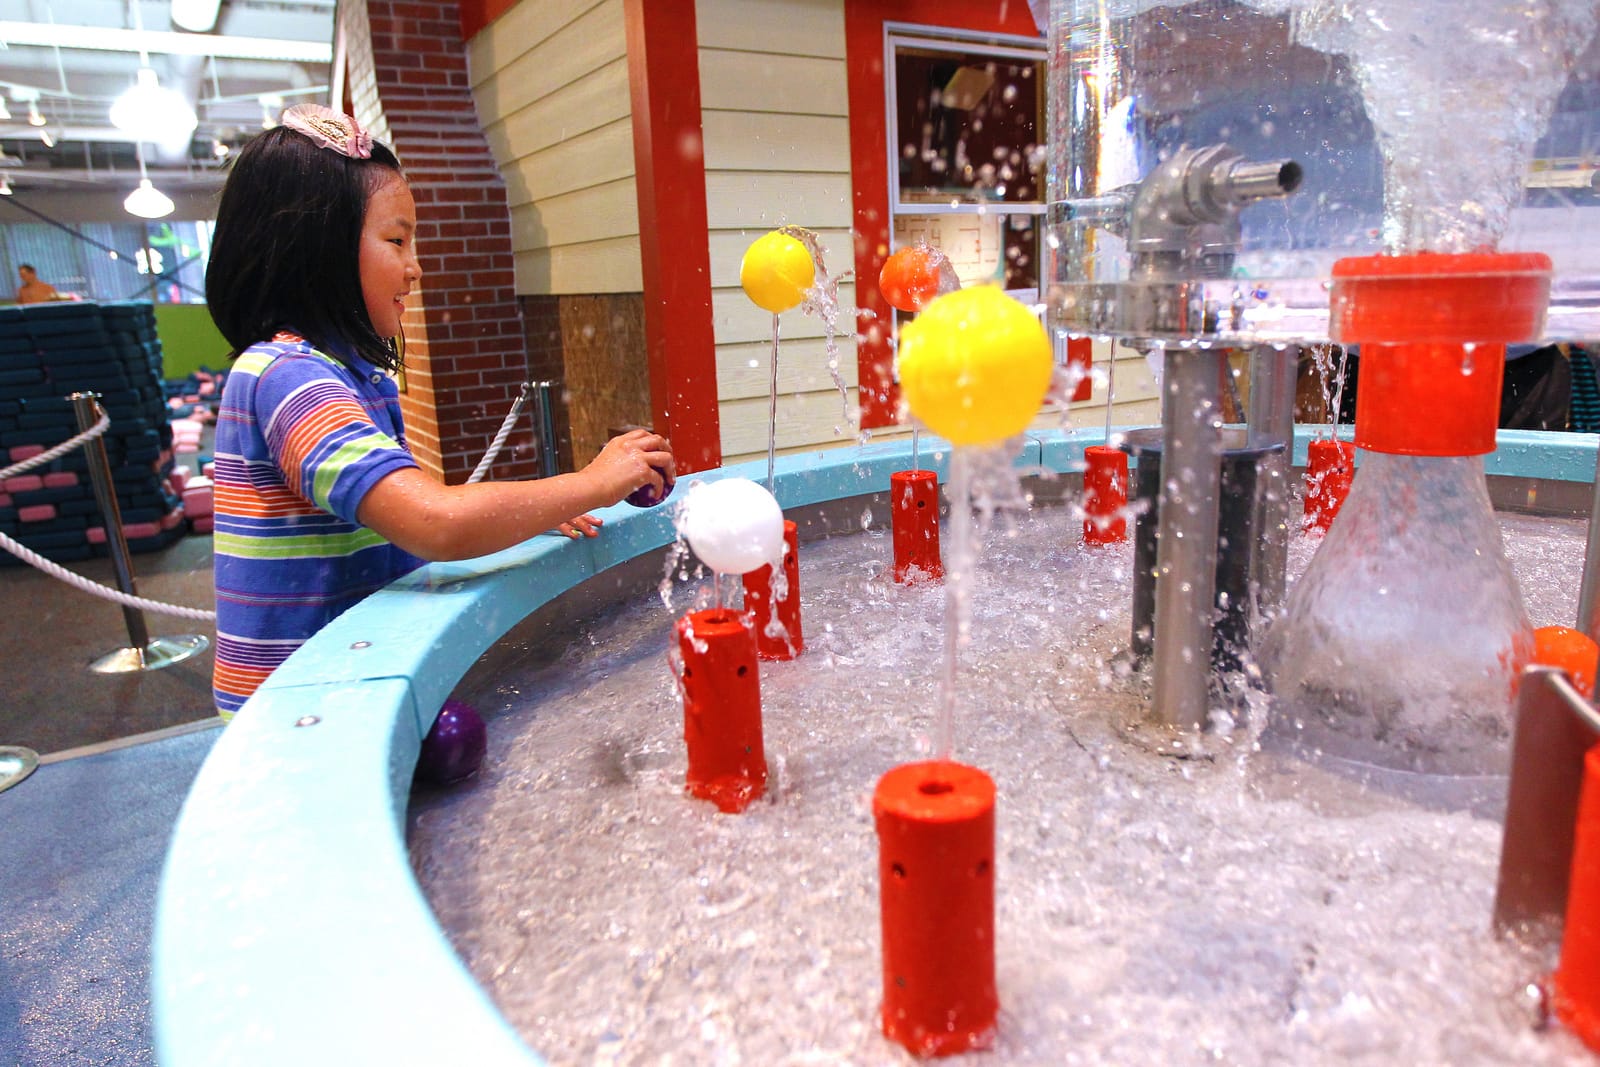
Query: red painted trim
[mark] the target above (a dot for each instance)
(869, 174)
(476, 14)
(674, 233)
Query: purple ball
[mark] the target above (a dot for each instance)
(648, 496)
(455, 745)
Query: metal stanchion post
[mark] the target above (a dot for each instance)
(544, 427)
(15, 765)
(143, 653)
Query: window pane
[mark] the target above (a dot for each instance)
(967, 126)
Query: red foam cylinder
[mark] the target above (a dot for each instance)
(1330, 465)
(758, 601)
(722, 708)
(1433, 330)
(935, 823)
(915, 523)
(1080, 354)
(1576, 983)
(1105, 495)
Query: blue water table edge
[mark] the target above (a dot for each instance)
(289, 926)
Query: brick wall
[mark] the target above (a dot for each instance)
(465, 354)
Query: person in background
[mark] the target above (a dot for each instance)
(319, 502)
(32, 290)
(1550, 387)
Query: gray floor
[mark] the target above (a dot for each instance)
(51, 631)
(82, 841)
(83, 838)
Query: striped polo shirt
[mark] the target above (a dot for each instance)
(300, 439)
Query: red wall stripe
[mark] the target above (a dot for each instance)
(674, 234)
(476, 14)
(869, 175)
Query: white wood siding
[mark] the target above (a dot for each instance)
(777, 149)
(550, 79)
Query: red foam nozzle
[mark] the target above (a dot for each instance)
(1105, 495)
(935, 823)
(1433, 330)
(1575, 992)
(1330, 466)
(758, 600)
(914, 519)
(722, 708)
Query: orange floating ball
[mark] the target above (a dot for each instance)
(909, 279)
(1571, 650)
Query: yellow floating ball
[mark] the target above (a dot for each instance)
(776, 271)
(974, 366)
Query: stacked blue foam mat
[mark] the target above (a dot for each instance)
(48, 352)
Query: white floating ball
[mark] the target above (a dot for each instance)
(734, 525)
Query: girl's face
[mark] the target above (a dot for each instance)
(389, 265)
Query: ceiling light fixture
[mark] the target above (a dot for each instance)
(5, 185)
(146, 201)
(152, 113)
(199, 16)
(5, 112)
(47, 138)
(35, 117)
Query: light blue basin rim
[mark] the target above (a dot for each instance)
(289, 927)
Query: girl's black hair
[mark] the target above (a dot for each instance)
(286, 253)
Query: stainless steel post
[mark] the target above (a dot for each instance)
(105, 495)
(1555, 727)
(1589, 591)
(1271, 422)
(142, 654)
(1186, 545)
(544, 426)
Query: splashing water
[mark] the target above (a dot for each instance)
(822, 300)
(1151, 908)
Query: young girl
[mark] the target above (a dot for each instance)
(318, 501)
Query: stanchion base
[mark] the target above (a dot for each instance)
(160, 652)
(15, 765)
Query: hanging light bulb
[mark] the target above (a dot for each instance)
(5, 111)
(146, 201)
(152, 113)
(35, 116)
(271, 105)
(5, 185)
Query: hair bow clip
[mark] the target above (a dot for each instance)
(327, 128)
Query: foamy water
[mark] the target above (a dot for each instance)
(1154, 905)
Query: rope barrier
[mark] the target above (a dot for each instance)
(500, 438)
(55, 570)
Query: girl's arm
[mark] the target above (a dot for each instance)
(442, 522)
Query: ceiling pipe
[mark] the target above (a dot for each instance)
(164, 42)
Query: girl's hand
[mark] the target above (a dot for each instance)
(582, 526)
(630, 460)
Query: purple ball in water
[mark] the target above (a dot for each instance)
(648, 496)
(455, 745)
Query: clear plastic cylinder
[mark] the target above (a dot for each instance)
(1416, 126)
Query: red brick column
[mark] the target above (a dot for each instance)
(465, 355)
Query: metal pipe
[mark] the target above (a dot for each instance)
(1555, 727)
(1246, 182)
(544, 427)
(1186, 538)
(1270, 422)
(1589, 591)
(84, 407)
